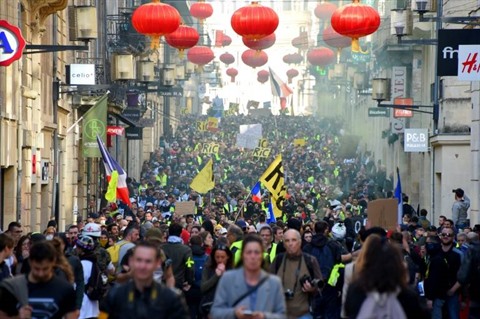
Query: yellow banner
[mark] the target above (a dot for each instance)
(201, 126)
(299, 142)
(204, 181)
(209, 148)
(212, 124)
(263, 152)
(263, 142)
(274, 180)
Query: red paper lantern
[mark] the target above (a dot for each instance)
(261, 44)
(232, 73)
(262, 76)
(301, 42)
(325, 10)
(355, 20)
(200, 55)
(227, 58)
(254, 21)
(184, 37)
(321, 56)
(294, 58)
(334, 39)
(291, 74)
(201, 10)
(254, 58)
(155, 20)
(226, 41)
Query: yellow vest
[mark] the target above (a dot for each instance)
(237, 255)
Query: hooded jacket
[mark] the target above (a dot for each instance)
(469, 272)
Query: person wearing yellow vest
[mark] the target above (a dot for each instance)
(235, 240)
(270, 246)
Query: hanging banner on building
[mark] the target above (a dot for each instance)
(449, 41)
(399, 87)
(416, 140)
(94, 123)
(378, 112)
(134, 133)
(469, 62)
(115, 130)
(397, 113)
(12, 43)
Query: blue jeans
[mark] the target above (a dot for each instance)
(453, 307)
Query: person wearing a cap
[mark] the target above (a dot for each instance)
(85, 247)
(103, 257)
(460, 208)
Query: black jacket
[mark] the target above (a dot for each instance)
(441, 274)
(126, 302)
(182, 262)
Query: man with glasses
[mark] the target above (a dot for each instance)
(15, 231)
(440, 282)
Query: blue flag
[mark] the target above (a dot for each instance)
(270, 215)
(399, 197)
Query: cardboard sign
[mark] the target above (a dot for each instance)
(263, 142)
(383, 213)
(185, 208)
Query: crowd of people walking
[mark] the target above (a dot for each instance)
(229, 259)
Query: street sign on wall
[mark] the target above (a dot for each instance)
(469, 62)
(378, 112)
(398, 112)
(12, 43)
(448, 46)
(416, 140)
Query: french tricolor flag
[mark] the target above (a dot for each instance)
(256, 193)
(112, 165)
(279, 88)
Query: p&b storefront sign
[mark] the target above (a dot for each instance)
(11, 43)
(416, 140)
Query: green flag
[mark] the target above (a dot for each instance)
(94, 123)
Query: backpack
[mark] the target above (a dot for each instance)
(325, 259)
(381, 306)
(199, 262)
(114, 252)
(96, 286)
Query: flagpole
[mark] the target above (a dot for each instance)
(241, 208)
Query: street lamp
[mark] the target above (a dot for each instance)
(381, 92)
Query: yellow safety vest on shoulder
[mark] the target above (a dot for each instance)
(236, 249)
(335, 274)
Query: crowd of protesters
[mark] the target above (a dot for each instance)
(226, 259)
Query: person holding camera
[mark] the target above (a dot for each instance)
(460, 208)
(300, 274)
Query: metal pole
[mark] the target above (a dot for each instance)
(55, 98)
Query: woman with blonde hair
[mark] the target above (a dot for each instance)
(380, 271)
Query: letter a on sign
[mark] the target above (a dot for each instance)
(11, 43)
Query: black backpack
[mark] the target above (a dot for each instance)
(96, 287)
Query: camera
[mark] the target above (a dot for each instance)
(319, 283)
(289, 294)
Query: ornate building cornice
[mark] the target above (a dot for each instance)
(40, 10)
